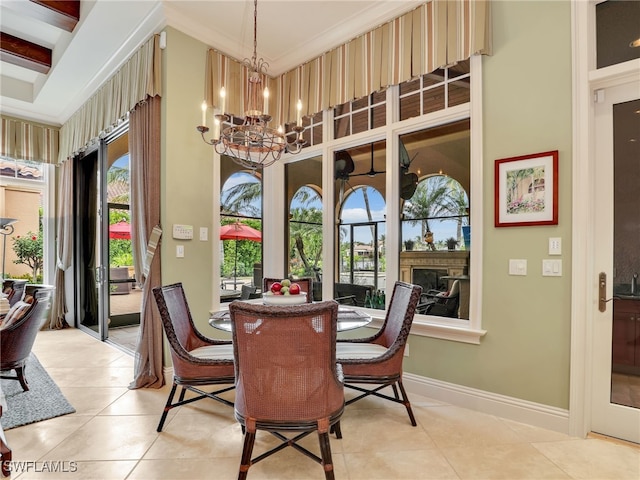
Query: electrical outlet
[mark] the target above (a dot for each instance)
(204, 234)
(555, 246)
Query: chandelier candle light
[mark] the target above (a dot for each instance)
(253, 144)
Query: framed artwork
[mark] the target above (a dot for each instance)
(526, 190)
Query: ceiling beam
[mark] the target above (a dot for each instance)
(61, 14)
(24, 54)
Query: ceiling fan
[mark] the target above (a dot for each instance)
(408, 180)
(372, 172)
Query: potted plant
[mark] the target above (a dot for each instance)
(408, 244)
(452, 243)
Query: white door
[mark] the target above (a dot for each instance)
(616, 224)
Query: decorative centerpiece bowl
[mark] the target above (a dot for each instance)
(271, 299)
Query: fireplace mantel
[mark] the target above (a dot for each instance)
(456, 262)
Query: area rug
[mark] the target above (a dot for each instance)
(42, 401)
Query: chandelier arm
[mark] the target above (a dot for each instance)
(254, 144)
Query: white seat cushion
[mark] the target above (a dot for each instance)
(358, 350)
(214, 352)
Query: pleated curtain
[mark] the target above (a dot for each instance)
(24, 140)
(137, 79)
(436, 34)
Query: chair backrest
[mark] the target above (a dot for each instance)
(14, 289)
(247, 292)
(397, 323)
(181, 333)
(176, 317)
(17, 338)
(306, 285)
(285, 361)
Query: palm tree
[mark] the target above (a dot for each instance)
(427, 202)
(305, 230)
(437, 196)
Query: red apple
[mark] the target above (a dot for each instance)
(276, 287)
(294, 289)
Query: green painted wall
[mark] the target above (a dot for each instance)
(187, 173)
(527, 109)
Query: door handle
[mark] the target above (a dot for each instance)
(602, 292)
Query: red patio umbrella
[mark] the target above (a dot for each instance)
(120, 231)
(239, 231)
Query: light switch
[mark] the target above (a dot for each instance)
(555, 246)
(551, 268)
(180, 251)
(204, 234)
(517, 266)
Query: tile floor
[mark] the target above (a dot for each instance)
(113, 435)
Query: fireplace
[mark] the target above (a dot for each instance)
(438, 270)
(429, 278)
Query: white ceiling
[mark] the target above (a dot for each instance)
(290, 32)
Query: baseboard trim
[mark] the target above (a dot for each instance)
(531, 413)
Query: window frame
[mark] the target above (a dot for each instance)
(460, 330)
(43, 187)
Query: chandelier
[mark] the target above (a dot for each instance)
(253, 144)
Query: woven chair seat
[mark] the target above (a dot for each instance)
(213, 352)
(359, 350)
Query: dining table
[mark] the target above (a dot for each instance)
(348, 317)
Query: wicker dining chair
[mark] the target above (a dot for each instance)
(377, 360)
(198, 361)
(287, 379)
(306, 285)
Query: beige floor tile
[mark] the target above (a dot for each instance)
(529, 433)
(92, 401)
(197, 436)
(593, 459)
(80, 376)
(508, 462)
(141, 401)
(32, 442)
(390, 428)
(404, 465)
(113, 434)
(112, 470)
(191, 468)
(451, 426)
(108, 438)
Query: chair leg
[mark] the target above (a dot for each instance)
(325, 449)
(22, 379)
(335, 428)
(247, 450)
(167, 407)
(405, 401)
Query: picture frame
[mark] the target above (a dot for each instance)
(526, 190)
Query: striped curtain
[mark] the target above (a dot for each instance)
(436, 34)
(137, 79)
(23, 140)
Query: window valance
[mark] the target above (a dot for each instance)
(436, 34)
(138, 78)
(24, 140)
